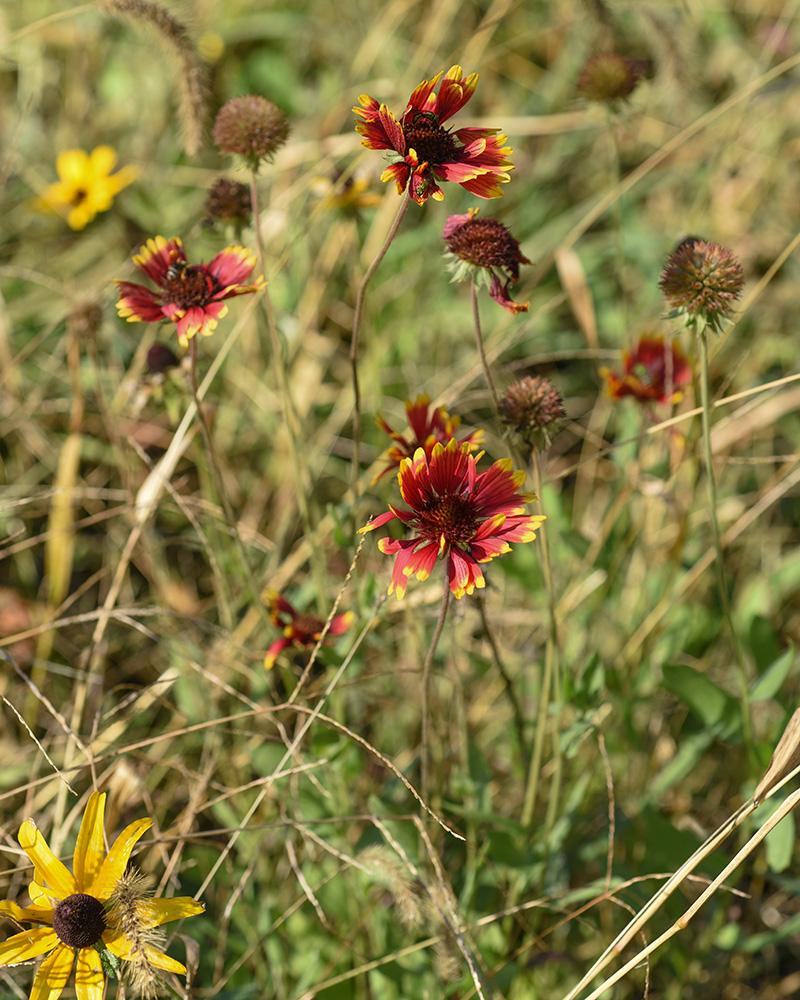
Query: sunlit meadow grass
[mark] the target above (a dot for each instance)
(386, 816)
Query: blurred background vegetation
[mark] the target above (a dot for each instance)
(138, 646)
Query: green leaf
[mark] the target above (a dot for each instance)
(780, 844)
(702, 695)
(771, 680)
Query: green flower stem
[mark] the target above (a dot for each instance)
(426, 681)
(712, 500)
(487, 373)
(303, 489)
(357, 317)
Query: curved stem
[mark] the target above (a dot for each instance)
(426, 679)
(487, 374)
(708, 458)
(357, 317)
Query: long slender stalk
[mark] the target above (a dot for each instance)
(354, 339)
(719, 561)
(487, 372)
(426, 680)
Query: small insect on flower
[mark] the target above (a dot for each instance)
(90, 917)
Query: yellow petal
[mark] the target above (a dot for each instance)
(117, 858)
(39, 895)
(27, 945)
(19, 913)
(118, 944)
(90, 849)
(160, 911)
(89, 978)
(72, 165)
(53, 974)
(162, 961)
(101, 161)
(55, 873)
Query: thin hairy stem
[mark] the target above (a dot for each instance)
(426, 680)
(357, 317)
(719, 560)
(487, 374)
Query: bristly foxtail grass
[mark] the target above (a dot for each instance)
(192, 75)
(387, 869)
(128, 910)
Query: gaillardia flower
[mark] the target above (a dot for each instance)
(534, 408)
(74, 913)
(86, 185)
(702, 280)
(426, 151)
(458, 514)
(653, 372)
(190, 295)
(428, 427)
(485, 250)
(299, 629)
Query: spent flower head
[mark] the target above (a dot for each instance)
(228, 201)
(534, 408)
(425, 151)
(299, 628)
(457, 514)
(654, 371)
(484, 250)
(428, 427)
(610, 77)
(702, 281)
(76, 915)
(252, 127)
(86, 185)
(189, 295)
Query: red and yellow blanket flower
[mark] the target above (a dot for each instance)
(79, 916)
(86, 185)
(426, 151)
(457, 514)
(654, 371)
(190, 295)
(299, 628)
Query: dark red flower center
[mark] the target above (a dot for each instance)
(433, 143)
(79, 920)
(487, 243)
(188, 287)
(78, 195)
(451, 516)
(306, 628)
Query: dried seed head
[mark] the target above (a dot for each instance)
(228, 200)
(129, 910)
(702, 280)
(251, 126)
(533, 407)
(160, 358)
(610, 77)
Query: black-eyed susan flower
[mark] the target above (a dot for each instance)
(457, 514)
(702, 281)
(653, 372)
(426, 151)
(86, 185)
(428, 427)
(485, 250)
(534, 408)
(299, 628)
(74, 915)
(190, 295)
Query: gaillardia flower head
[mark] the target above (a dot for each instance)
(458, 514)
(428, 427)
(485, 250)
(299, 629)
(74, 916)
(426, 151)
(533, 407)
(653, 372)
(702, 280)
(86, 185)
(190, 295)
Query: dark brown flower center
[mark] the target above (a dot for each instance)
(432, 142)
(451, 516)
(306, 628)
(79, 920)
(487, 243)
(79, 195)
(188, 287)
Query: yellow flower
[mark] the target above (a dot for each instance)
(78, 913)
(87, 185)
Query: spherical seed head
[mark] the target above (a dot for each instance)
(610, 77)
(160, 358)
(702, 280)
(79, 920)
(483, 242)
(251, 126)
(533, 407)
(228, 200)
